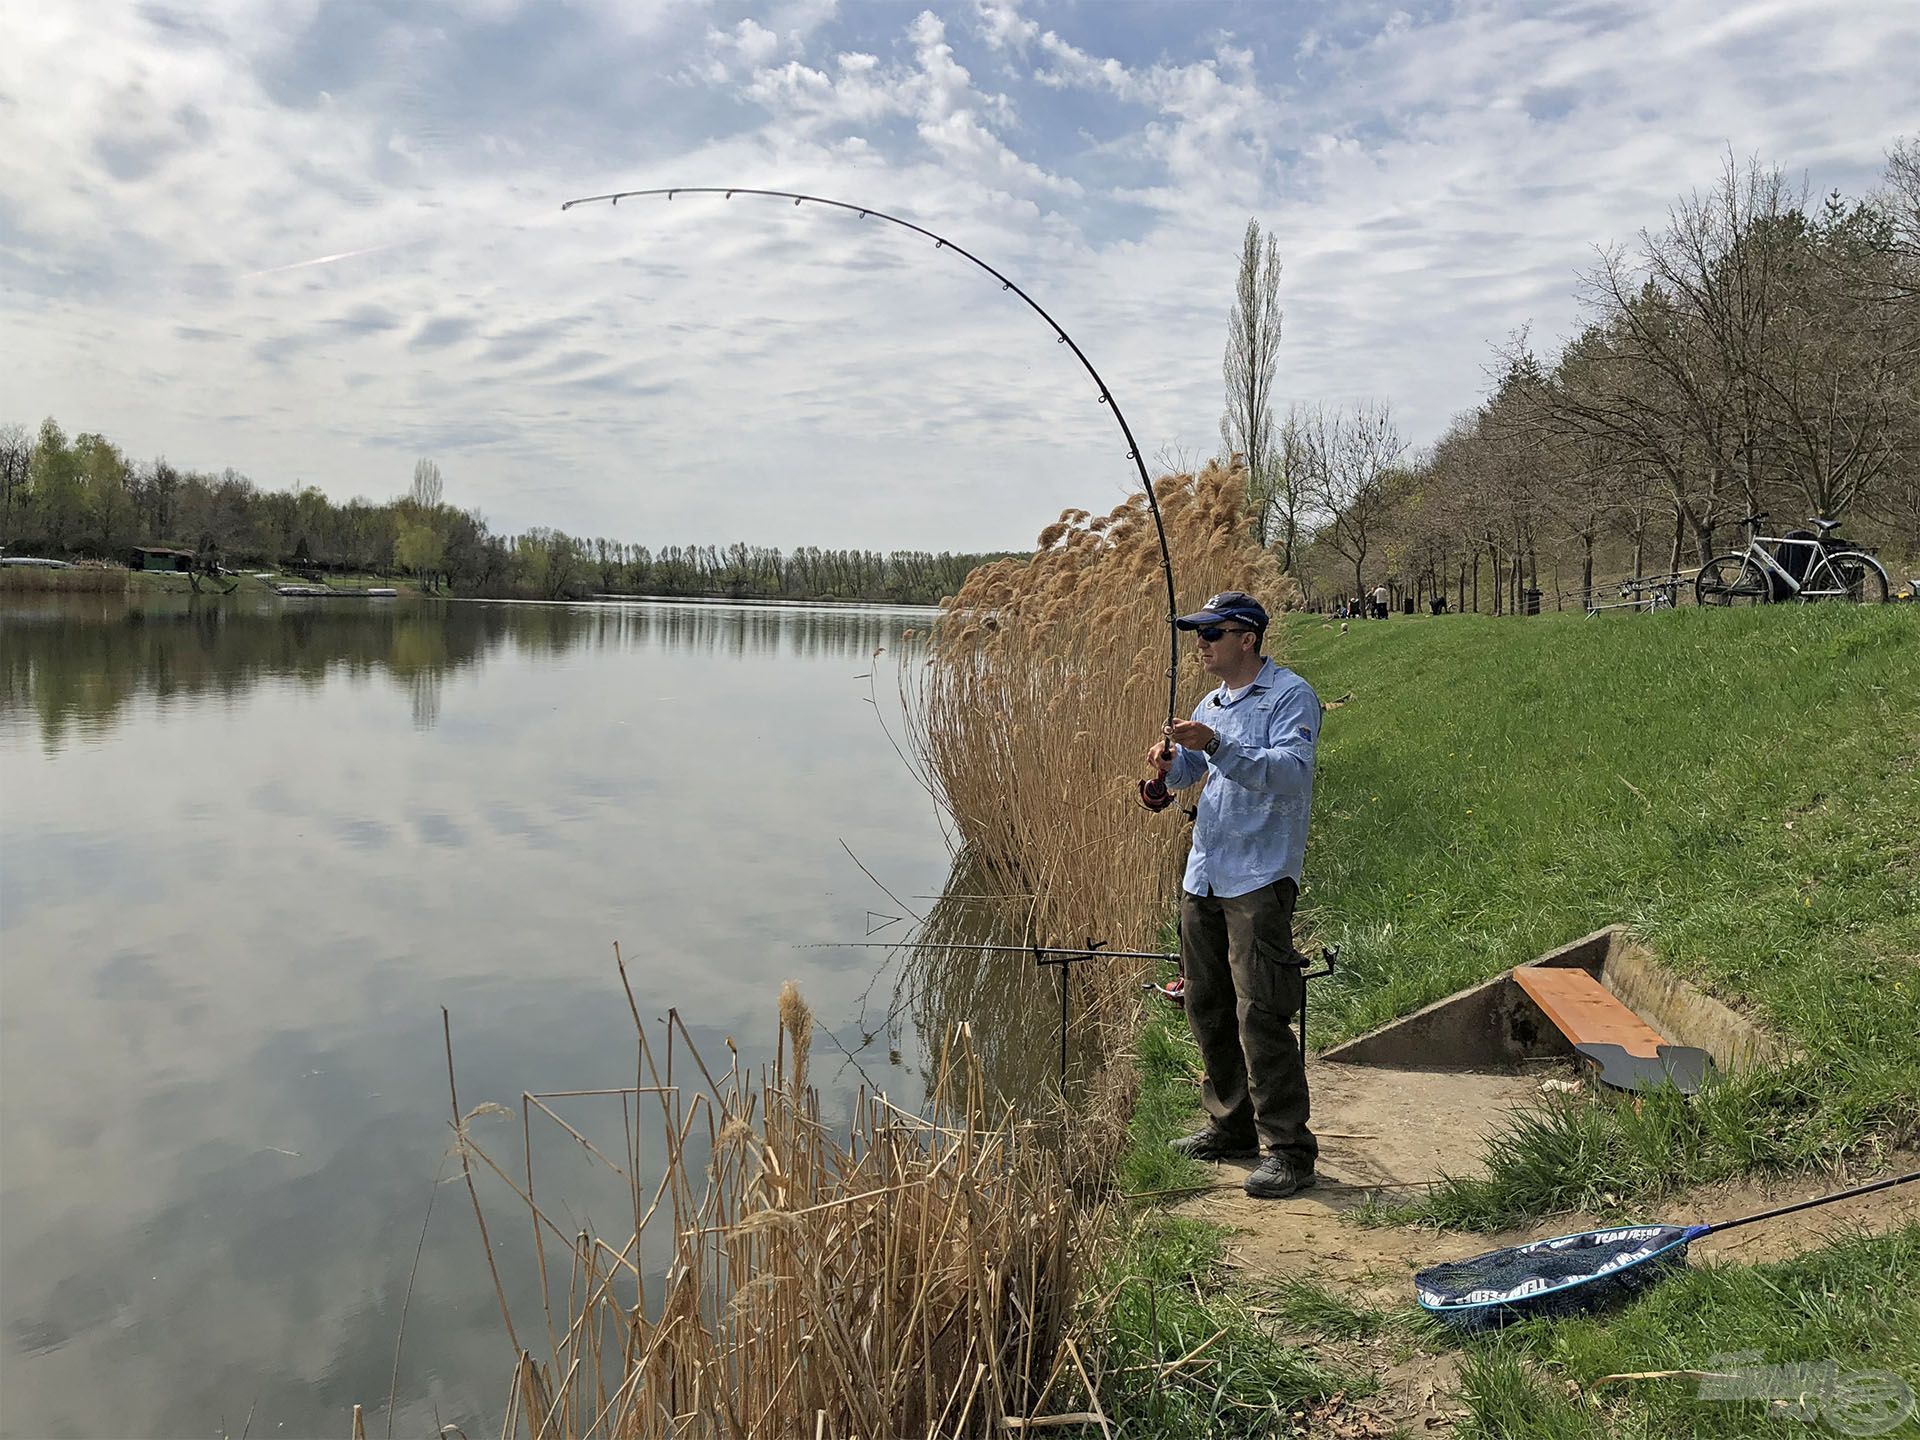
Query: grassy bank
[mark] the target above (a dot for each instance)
(76, 580)
(1742, 789)
(1850, 1306)
(1829, 1313)
(114, 580)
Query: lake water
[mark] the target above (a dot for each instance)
(248, 852)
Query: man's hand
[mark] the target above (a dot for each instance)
(1190, 733)
(1160, 757)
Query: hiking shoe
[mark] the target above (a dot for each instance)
(1213, 1143)
(1278, 1177)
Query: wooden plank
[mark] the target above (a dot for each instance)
(1581, 1009)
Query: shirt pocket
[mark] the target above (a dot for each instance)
(1256, 722)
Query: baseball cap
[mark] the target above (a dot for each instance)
(1227, 605)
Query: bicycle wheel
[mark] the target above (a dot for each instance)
(1861, 576)
(1732, 580)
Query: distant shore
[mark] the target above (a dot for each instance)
(84, 579)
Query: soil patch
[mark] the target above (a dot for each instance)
(1384, 1134)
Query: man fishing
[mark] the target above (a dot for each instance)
(1253, 741)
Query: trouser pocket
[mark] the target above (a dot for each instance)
(1267, 968)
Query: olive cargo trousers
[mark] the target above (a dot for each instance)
(1243, 989)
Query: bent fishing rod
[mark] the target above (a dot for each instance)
(1152, 799)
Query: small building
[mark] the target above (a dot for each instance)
(153, 557)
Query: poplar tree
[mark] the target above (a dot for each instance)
(1253, 349)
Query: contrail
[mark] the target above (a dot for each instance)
(325, 259)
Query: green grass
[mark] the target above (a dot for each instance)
(1164, 1109)
(1166, 1298)
(94, 579)
(1309, 1307)
(1832, 1306)
(1741, 788)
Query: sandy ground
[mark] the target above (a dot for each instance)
(1381, 1133)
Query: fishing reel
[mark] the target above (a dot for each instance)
(1154, 793)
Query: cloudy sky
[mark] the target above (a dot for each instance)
(313, 239)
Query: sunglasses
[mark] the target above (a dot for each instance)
(1212, 633)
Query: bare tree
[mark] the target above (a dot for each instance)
(1354, 460)
(1900, 201)
(16, 458)
(1289, 498)
(427, 486)
(1253, 349)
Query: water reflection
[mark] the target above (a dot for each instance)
(249, 853)
(74, 664)
(1012, 1003)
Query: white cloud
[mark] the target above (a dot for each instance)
(748, 46)
(1433, 182)
(1002, 26)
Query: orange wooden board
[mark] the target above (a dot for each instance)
(1583, 1010)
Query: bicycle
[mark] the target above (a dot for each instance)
(1800, 566)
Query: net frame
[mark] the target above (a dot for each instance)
(1465, 1294)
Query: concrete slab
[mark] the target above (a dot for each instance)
(1496, 1025)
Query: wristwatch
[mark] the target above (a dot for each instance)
(1213, 744)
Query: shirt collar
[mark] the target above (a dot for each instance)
(1268, 673)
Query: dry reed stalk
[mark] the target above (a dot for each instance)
(916, 1276)
(1043, 691)
(80, 580)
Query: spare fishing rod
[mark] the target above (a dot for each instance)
(1153, 793)
(1061, 957)
(1065, 956)
(1037, 951)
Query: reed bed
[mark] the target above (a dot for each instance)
(1045, 685)
(914, 1274)
(910, 1274)
(79, 580)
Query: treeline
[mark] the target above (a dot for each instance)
(83, 497)
(753, 572)
(1755, 354)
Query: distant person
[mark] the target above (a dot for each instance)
(1255, 749)
(1438, 604)
(1380, 598)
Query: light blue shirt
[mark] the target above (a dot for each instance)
(1250, 828)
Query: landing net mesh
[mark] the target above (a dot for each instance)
(1562, 1276)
